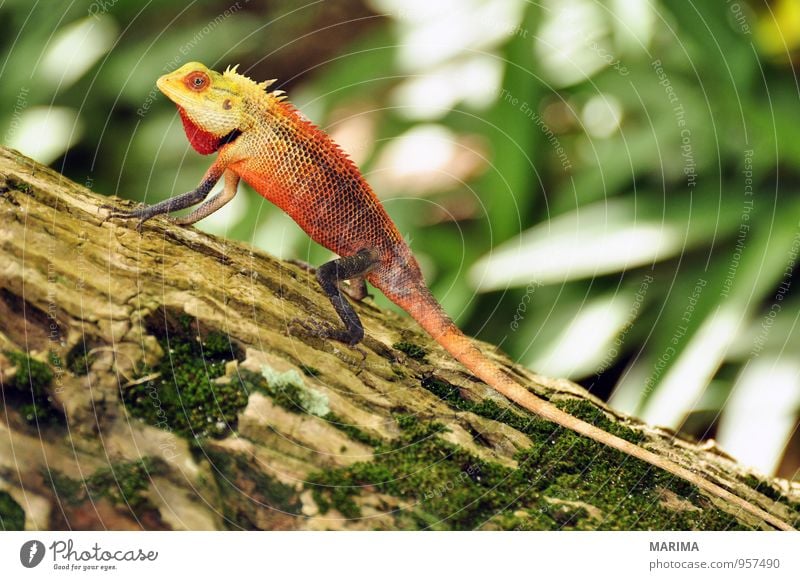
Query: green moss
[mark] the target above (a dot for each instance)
(290, 392)
(310, 371)
(246, 489)
(525, 423)
(66, 489)
(766, 489)
(79, 361)
(763, 488)
(218, 346)
(30, 390)
(184, 398)
(449, 488)
(335, 489)
(412, 350)
(21, 186)
(591, 414)
(415, 429)
(185, 322)
(123, 483)
(12, 516)
(351, 430)
(31, 374)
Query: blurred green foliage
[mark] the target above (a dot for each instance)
(616, 199)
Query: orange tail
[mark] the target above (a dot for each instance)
(424, 308)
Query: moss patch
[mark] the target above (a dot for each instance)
(79, 361)
(183, 397)
(766, 489)
(12, 516)
(251, 498)
(123, 483)
(31, 374)
(526, 423)
(21, 186)
(310, 371)
(412, 350)
(351, 430)
(28, 391)
(564, 481)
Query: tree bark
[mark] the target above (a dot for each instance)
(159, 381)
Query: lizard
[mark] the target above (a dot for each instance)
(261, 138)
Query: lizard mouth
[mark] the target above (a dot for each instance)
(164, 86)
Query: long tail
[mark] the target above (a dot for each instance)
(424, 308)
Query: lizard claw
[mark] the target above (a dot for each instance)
(113, 212)
(325, 330)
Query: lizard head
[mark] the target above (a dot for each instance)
(210, 104)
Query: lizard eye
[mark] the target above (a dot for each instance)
(196, 81)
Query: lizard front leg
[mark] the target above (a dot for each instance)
(213, 204)
(174, 203)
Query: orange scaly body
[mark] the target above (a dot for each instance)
(298, 168)
(262, 139)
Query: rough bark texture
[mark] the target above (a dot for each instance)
(154, 381)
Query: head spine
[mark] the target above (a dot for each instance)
(252, 86)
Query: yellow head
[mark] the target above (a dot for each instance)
(209, 100)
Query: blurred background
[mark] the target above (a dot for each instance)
(610, 191)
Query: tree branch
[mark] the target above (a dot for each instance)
(154, 381)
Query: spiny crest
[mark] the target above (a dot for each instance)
(250, 85)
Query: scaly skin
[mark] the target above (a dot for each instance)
(261, 138)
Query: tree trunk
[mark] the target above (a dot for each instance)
(161, 381)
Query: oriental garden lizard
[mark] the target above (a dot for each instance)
(261, 138)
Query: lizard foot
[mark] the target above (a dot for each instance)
(324, 330)
(113, 212)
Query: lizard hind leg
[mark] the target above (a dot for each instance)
(355, 288)
(329, 276)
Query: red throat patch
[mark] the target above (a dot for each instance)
(203, 142)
